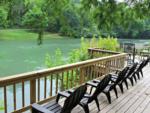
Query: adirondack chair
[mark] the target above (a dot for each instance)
(130, 74)
(141, 65)
(135, 71)
(88, 98)
(115, 80)
(139, 69)
(147, 61)
(71, 101)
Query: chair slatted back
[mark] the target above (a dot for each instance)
(147, 61)
(102, 85)
(74, 99)
(142, 64)
(131, 69)
(122, 74)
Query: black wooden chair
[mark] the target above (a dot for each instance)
(147, 61)
(131, 74)
(71, 101)
(88, 98)
(135, 71)
(116, 79)
(139, 69)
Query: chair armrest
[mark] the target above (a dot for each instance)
(113, 79)
(96, 81)
(129, 65)
(70, 91)
(87, 96)
(40, 109)
(90, 83)
(118, 70)
(62, 94)
(113, 75)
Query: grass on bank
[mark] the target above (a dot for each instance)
(13, 34)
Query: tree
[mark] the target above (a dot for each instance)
(109, 13)
(36, 19)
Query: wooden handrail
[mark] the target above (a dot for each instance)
(35, 74)
(97, 52)
(103, 51)
(68, 76)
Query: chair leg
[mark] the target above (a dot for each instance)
(135, 78)
(97, 103)
(138, 75)
(121, 88)
(141, 73)
(131, 80)
(116, 93)
(57, 98)
(108, 97)
(126, 83)
(86, 108)
(91, 89)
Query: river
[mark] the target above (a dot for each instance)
(19, 56)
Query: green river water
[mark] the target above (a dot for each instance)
(24, 55)
(19, 56)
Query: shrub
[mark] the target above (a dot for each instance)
(81, 54)
(54, 60)
(109, 43)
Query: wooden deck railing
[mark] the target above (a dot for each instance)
(97, 52)
(42, 86)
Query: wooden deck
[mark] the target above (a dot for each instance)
(134, 100)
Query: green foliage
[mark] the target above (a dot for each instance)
(109, 43)
(54, 60)
(53, 24)
(36, 18)
(109, 13)
(77, 18)
(136, 29)
(78, 55)
(81, 54)
(74, 21)
(3, 17)
(1, 105)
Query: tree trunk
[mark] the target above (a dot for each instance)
(40, 37)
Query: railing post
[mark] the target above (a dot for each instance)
(124, 60)
(107, 67)
(32, 91)
(90, 52)
(82, 74)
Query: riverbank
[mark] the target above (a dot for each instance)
(24, 34)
